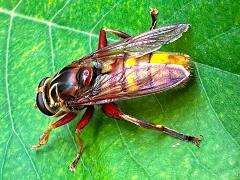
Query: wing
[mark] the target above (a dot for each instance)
(139, 45)
(132, 82)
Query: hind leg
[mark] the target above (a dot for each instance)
(112, 110)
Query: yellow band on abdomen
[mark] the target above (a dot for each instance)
(130, 62)
(169, 58)
(159, 58)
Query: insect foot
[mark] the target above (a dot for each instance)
(73, 165)
(154, 11)
(197, 140)
(43, 138)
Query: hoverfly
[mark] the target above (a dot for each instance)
(127, 69)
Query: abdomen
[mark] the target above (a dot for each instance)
(132, 77)
(155, 72)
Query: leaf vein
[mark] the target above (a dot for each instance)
(5, 153)
(7, 90)
(29, 18)
(53, 70)
(59, 11)
(195, 157)
(165, 116)
(211, 107)
(217, 69)
(201, 44)
(98, 22)
(129, 151)
(179, 11)
(201, 164)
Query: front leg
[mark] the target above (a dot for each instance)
(112, 110)
(45, 136)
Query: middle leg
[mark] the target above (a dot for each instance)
(82, 123)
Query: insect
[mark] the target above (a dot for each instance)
(127, 69)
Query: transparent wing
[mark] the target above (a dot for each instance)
(144, 43)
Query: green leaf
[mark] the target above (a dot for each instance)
(39, 38)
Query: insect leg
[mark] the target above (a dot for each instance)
(45, 136)
(153, 12)
(102, 42)
(82, 123)
(117, 33)
(103, 38)
(112, 110)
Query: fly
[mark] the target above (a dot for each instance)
(127, 69)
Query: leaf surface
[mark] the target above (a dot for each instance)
(37, 39)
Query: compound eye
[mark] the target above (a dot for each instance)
(84, 76)
(41, 98)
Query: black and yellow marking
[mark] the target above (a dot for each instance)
(159, 58)
(153, 58)
(131, 75)
(170, 58)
